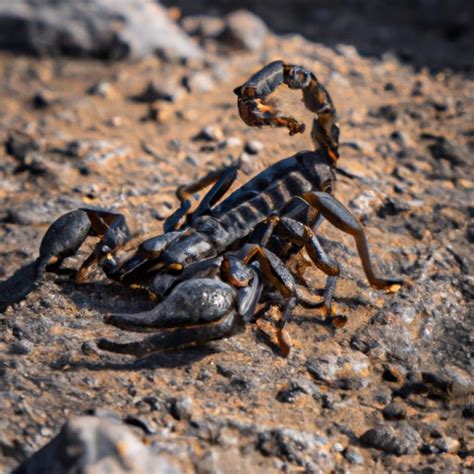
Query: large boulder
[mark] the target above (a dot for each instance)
(92, 28)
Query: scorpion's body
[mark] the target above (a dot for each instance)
(263, 196)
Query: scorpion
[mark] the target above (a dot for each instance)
(228, 238)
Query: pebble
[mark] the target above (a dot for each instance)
(353, 455)
(88, 348)
(43, 99)
(404, 440)
(244, 30)
(448, 445)
(198, 82)
(20, 144)
(181, 408)
(165, 91)
(204, 26)
(211, 133)
(394, 411)
(191, 160)
(349, 370)
(21, 347)
(468, 411)
(233, 142)
(102, 89)
(253, 147)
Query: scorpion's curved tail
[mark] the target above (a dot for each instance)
(257, 109)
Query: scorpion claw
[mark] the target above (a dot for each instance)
(173, 338)
(63, 238)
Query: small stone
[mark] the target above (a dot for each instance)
(20, 144)
(42, 99)
(468, 411)
(233, 142)
(398, 440)
(353, 455)
(204, 26)
(244, 30)
(166, 91)
(115, 121)
(21, 347)
(337, 447)
(198, 82)
(102, 89)
(191, 160)
(210, 133)
(394, 411)
(88, 348)
(253, 147)
(181, 408)
(448, 445)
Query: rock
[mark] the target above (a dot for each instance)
(203, 26)
(404, 440)
(199, 81)
(21, 347)
(468, 411)
(154, 91)
(244, 30)
(253, 147)
(210, 133)
(94, 444)
(295, 388)
(21, 145)
(353, 455)
(442, 149)
(298, 447)
(394, 411)
(43, 99)
(447, 445)
(236, 142)
(93, 28)
(181, 408)
(102, 89)
(346, 370)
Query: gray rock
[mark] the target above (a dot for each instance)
(353, 455)
(97, 28)
(99, 445)
(253, 147)
(244, 30)
(181, 408)
(394, 411)
(392, 440)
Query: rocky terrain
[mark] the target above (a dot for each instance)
(393, 390)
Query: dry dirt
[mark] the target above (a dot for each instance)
(235, 405)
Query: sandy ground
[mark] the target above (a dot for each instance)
(235, 405)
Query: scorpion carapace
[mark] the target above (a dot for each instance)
(284, 203)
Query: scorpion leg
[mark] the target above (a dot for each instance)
(302, 235)
(223, 180)
(340, 217)
(276, 272)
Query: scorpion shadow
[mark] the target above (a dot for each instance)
(18, 286)
(160, 360)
